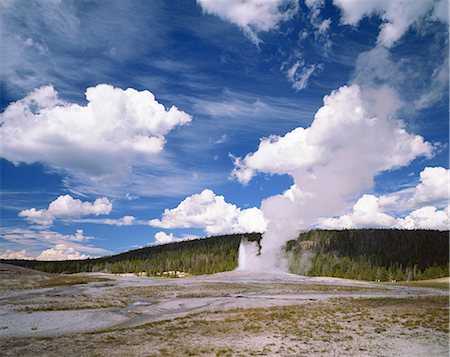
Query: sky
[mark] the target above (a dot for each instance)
(132, 123)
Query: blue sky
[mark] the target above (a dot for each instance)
(88, 138)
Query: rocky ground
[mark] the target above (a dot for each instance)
(226, 314)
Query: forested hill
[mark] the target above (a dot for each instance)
(198, 256)
(368, 254)
(371, 254)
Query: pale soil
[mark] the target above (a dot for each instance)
(230, 314)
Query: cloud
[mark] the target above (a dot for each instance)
(61, 252)
(397, 16)
(164, 238)
(377, 66)
(66, 206)
(37, 239)
(428, 217)
(252, 16)
(314, 6)
(321, 26)
(100, 140)
(366, 213)
(213, 214)
(246, 107)
(422, 202)
(432, 190)
(344, 127)
(131, 197)
(19, 235)
(123, 221)
(231, 107)
(419, 79)
(433, 187)
(222, 139)
(437, 87)
(299, 73)
(59, 42)
(11, 254)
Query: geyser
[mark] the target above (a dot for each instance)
(332, 163)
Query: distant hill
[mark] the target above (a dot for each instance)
(368, 254)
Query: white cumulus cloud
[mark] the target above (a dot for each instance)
(13, 254)
(366, 214)
(426, 206)
(102, 139)
(428, 217)
(164, 238)
(212, 213)
(66, 206)
(345, 126)
(432, 190)
(433, 187)
(61, 252)
(252, 16)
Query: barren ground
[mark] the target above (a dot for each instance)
(226, 314)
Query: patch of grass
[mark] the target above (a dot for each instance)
(46, 280)
(69, 280)
(433, 284)
(69, 303)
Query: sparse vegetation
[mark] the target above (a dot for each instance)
(151, 317)
(342, 326)
(442, 284)
(68, 280)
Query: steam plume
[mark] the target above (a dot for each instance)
(332, 163)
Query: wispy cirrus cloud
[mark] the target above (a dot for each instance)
(397, 16)
(396, 63)
(119, 222)
(299, 73)
(44, 42)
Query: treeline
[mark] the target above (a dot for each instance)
(198, 256)
(366, 254)
(371, 254)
